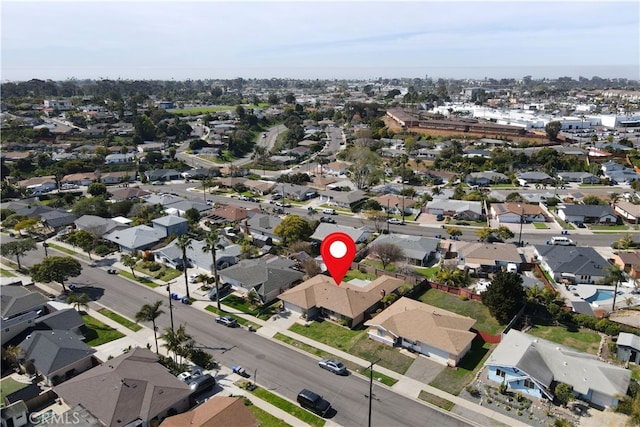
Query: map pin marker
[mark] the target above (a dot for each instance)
(338, 251)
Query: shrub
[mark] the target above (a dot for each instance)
(151, 266)
(102, 250)
(502, 388)
(473, 391)
(202, 359)
(463, 297)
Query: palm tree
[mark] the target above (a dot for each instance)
(253, 298)
(79, 301)
(183, 243)
(129, 261)
(615, 275)
(177, 341)
(210, 245)
(149, 313)
(12, 355)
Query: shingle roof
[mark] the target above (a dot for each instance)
(578, 260)
(54, 350)
(407, 318)
(218, 411)
(263, 277)
(591, 211)
(135, 237)
(15, 300)
(169, 220)
(629, 340)
(66, 319)
(346, 299)
(130, 386)
(414, 247)
(324, 229)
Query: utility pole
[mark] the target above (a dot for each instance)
(371, 387)
(388, 215)
(171, 305)
(521, 222)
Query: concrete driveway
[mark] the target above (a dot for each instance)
(424, 370)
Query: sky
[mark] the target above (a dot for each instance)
(211, 39)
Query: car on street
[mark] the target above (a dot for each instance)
(276, 196)
(313, 402)
(157, 183)
(228, 321)
(328, 220)
(193, 278)
(244, 198)
(394, 221)
(112, 271)
(328, 211)
(333, 365)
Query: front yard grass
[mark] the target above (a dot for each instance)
(138, 279)
(117, 318)
(474, 309)
(241, 304)
(8, 386)
(287, 406)
(65, 250)
(354, 342)
(436, 400)
(582, 340)
(6, 273)
(165, 273)
(97, 333)
(264, 418)
(241, 320)
(540, 225)
(453, 380)
(378, 265)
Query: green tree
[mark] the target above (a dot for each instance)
(293, 228)
(253, 298)
(149, 313)
(17, 248)
(552, 130)
(593, 200)
(564, 393)
(129, 261)
(176, 341)
(454, 231)
(91, 206)
(387, 253)
(378, 218)
(56, 269)
(504, 296)
(615, 276)
(97, 189)
(183, 243)
(79, 301)
(192, 215)
(504, 232)
(514, 198)
(484, 233)
(26, 224)
(211, 243)
(84, 240)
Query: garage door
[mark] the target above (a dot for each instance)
(435, 354)
(601, 399)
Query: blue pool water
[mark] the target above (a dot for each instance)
(600, 295)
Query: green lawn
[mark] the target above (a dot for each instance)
(289, 407)
(426, 272)
(635, 372)
(63, 249)
(378, 265)
(474, 309)
(138, 279)
(6, 273)
(264, 418)
(239, 303)
(356, 343)
(609, 227)
(540, 225)
(165, 273)
(357, 274)
(583, 340)
(98, 333)
(117, 318)
(436, 400)
(8, 386)
(453, 380)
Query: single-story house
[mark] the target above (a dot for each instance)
(219, 411)
(228, 213)
(56, 354)
(15, 414)
(486, 178)
(116, 158)
(171, 224)
(628, 211)
(260, 187)
(163, 175)
(268, 279)
(66, 319)
(581, 177)
(441, 335)
(57, 218)
(460, 209)
(514, 213)
(263, 225)
(396, 203)
(319, 297)
(335, 168)
(417, 250)
(590, 214)
(98, 225)
(182, 206)
(117, 177)
(628, 261)
(359, 235)
(40, 184)
(136, 238)
(534, 366)
(297, 192)
(20, 308)
(139, 389)
(82, 178)
(342, 199)
(572, 263)
(487, 256)
(227, 255)
(624, 176)
(526, 178)
(628, 348)
(128, 193)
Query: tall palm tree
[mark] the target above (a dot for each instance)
(177, 341)
(615, 276)
(149, 313)
(183, 243)
(210, 245)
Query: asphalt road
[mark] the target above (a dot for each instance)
(279, 368)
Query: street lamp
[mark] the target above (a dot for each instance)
(170, 304)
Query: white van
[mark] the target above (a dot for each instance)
(329, 211)
(562, 241)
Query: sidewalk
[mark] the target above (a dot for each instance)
(405, 386)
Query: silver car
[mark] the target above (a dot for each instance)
(333, 365)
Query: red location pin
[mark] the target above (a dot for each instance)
(338, 251)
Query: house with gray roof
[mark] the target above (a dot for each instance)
(263, 225)
(161, 199)
(163, 175)
(573, 263)
(67, 319)
(359, 235)
(268, 279)
(20, 308)
(526, 178)
(98, 225)
(581, 177)
(343, 199)
(590, 214)
(460, 209)
(136, 238)
(297, 192)
(140, 391)
(534, 366)
(228, 254)
(486, 178)
(417, 250)
(628, 347)
(57, 354)
(171, 224)
(182, 206)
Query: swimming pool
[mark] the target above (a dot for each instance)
(600, 295)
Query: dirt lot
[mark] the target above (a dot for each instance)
(627, 317)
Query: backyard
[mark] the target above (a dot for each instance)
(8, 386)
(355, 342)
(474, 309)
(583, 340)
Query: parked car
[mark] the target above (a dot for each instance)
(112, 271)
(157, 183)
(193, 278)
(276, 196)
(187, 376)
(394, 221)
(328, 220)
(329, 211)
(439, 217)
(244, 198)
(228, 321)
(313, 402)
(223, 289)
(333, 365)
(202, 383)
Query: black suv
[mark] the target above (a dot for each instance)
(313, 402)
